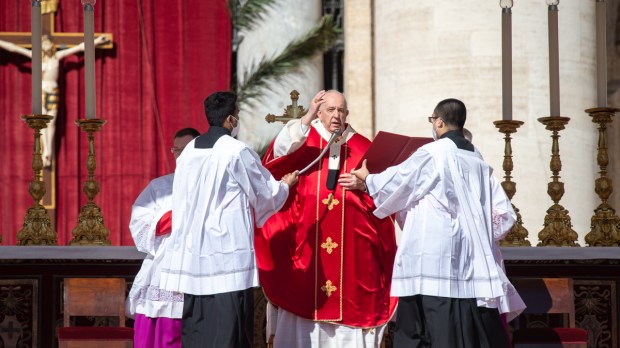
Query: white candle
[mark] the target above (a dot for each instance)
(554, 59)
(89, 57)
(601, 53)
(506, 60)
(35, 25)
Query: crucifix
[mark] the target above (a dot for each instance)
(56, 46)
(291, 112)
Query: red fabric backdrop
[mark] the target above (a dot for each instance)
(167, 57)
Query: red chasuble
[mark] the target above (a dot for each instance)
(325, 256)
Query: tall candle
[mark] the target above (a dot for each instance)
(89, 57)
(506, 60)
(554, 59)
(35, 26)
(601, 53)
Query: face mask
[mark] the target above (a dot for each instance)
(434, 133)
(235, 130)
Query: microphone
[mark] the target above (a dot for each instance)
(335, 135)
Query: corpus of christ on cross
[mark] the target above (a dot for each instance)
(61, 40)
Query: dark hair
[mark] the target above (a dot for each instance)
(218, 106)
(187, 131)
(452, 112)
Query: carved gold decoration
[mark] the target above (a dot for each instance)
(330, 201)
(328, 288)
(557, 229)
(90, 229)
(37, 228)
(518, 234)
(49, 6)
(605, 224)
(291, 112)
(329, 245)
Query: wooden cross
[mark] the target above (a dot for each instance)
(291, 112)
(61, 40)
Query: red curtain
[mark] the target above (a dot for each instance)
(167, 57)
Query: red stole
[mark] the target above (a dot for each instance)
(325, 256)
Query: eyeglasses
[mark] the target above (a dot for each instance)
(432, 119)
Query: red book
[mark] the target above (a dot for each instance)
(390, 149)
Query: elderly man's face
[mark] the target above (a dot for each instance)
(333, 112)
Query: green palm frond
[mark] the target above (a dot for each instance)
(318, 40)
(244, 15)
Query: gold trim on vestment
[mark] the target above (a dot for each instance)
(330, 201)
(329, 245)
(319, 246)
(328, 288)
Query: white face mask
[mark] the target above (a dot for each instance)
(434, 131)
(235, 130)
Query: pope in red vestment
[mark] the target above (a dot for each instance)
(325, 256)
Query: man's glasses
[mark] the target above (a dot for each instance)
(432, 119)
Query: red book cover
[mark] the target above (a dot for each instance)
(390, 149)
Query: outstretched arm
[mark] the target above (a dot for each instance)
(11, 47)
(100, 40)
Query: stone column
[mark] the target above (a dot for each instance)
(359, 65)
(426, 51)
(285, 22)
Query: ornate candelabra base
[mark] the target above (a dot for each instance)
(605, 224)
(557, 228)
(37, 228)
(90, 229)
(518, 234)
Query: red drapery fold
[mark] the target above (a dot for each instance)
(167, 57)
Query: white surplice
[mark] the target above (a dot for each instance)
(145, 296)
(452, 213)
(218, 195)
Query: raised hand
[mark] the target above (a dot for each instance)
(315, 103)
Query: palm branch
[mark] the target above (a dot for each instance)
(319, 39)
(244, 15)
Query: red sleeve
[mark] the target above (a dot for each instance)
(164, 225)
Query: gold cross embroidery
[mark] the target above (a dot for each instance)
(329, 245)
(330, 201)
(328, 288)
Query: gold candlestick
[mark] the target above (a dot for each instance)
(37, 228)
(90, 229)
(605, 224)
(557, 229)
(518, 234)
